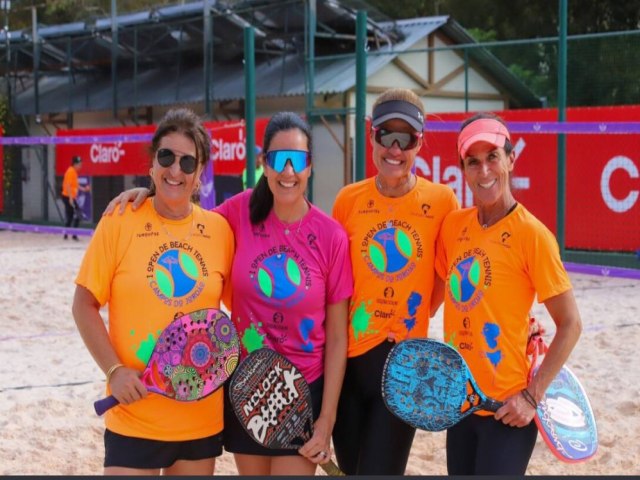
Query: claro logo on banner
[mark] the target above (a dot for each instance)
(619, 165)
(99, 153)
(106, 158)
(228, 145)
(228, 150)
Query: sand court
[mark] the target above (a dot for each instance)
(48, 381)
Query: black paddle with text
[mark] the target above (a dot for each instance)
(272, 400)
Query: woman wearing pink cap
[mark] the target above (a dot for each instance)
(496, 257)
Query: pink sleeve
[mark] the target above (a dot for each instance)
(231, 209)
(340, 277)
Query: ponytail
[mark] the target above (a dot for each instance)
(261, 202)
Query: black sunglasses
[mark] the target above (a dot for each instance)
(405, 140)
(166, 157)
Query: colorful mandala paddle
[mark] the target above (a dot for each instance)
(192, 358)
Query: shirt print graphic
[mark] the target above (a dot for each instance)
(468, 279)
(281, 276)
(362, 315)
(469, 276)
(176, 273)
(391, 249)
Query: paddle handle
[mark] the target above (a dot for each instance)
(105, 404)
(331, 469)
(491, 405)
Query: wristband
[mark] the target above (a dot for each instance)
(112, 369)
(529, 398)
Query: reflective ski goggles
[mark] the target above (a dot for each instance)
(277, 159)
(166, 157)
(405, 140)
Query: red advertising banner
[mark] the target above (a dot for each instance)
(228, 146)
(105, 158)
(602, 184)
(228, 149)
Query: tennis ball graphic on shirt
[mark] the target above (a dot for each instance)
(279, 277)
(465, 279)
(390, 250)
(176, 273)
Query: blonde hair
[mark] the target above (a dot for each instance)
(400, 94)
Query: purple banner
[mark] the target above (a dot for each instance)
(80, 139)
(585, 128)
(207, 188)
(25, 227)
(84, 200)
(603, 270)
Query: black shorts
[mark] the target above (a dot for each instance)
(367, 437)
(133, 452)
(482, 445)
(236, 438)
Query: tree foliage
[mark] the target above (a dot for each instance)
(54, 12)
(599, 71)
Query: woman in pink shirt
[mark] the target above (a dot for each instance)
(291, 282)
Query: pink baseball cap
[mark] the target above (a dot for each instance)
(482, 130)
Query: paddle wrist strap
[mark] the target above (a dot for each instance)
(536, 345)
(529, 398)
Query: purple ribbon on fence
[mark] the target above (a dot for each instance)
(27, 227)
(588, 128)
(584, 128)
(77, 139)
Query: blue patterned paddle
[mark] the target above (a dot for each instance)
(428, 385)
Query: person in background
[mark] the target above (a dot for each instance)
(259, 169)
(124, 266)
(291, 283)
(392, 221)
(70, 188)
(495, 258)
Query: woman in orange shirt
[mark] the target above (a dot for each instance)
(136, 263)
(496, 258)
(392, 221)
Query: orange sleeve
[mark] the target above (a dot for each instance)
(98, 265)
(230, 247)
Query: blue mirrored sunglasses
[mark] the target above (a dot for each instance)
(277, 159)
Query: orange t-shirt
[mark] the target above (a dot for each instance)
(491, 277)
(134, 265)
(392, 245)
(70, 183)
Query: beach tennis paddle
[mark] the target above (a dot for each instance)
(565, 419)
(193, 356)
(427, 384)
(272, 401)
(564, 415)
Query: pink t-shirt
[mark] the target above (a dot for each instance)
(283, 278)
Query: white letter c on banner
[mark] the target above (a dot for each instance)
(624, 163)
